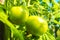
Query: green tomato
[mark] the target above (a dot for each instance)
(36, 25)
(18, 15)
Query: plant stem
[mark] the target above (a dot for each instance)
(14, 30)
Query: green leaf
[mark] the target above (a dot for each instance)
(50, 36)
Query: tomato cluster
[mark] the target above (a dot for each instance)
(34, 24)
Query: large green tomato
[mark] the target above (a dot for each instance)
(36, 25)
(19, 14)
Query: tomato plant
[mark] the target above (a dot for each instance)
(30, 19)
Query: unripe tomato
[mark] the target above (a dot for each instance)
(36, 25)
(19, 14)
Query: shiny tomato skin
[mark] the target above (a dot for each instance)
(36, 25)
(18, 15)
